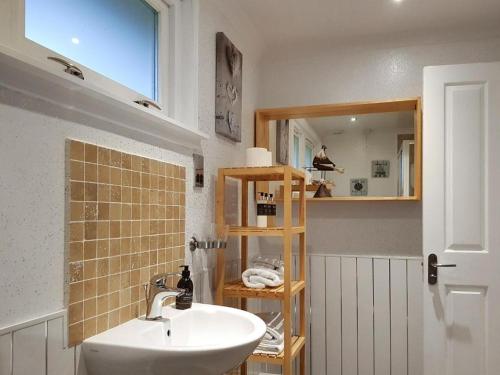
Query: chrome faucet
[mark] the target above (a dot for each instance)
(157, 292)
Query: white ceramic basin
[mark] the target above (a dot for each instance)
(203, 340)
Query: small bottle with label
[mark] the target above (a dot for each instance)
(261, 211)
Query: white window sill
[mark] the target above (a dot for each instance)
(23, 74)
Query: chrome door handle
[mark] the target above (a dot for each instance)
(443, 265)
(70, 68)
(432, 268)
(148, 103)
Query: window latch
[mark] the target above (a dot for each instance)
(148, 104)
(70, 68)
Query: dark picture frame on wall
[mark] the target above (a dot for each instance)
(228, 103)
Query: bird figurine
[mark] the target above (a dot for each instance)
(322, 163)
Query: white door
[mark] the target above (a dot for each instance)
(461, 219)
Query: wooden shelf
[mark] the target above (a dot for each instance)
(357, 199)
(265, 232)
(274, 173)
(237, 289)
(297, 344)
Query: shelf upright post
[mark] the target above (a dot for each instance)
(220, 224)
(287, 255)
(302, 274)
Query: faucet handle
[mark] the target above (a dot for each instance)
(160, 280)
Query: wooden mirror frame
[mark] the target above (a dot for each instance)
(263, 116)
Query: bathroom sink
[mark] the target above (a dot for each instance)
(205, 339)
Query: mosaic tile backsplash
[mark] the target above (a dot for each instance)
(126, 220)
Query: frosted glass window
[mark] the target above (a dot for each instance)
(115, 38)
(296, 151)
(308, 157)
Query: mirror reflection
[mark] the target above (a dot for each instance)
(368, 155)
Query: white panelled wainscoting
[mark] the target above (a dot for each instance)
(38, 347)
(365, 316)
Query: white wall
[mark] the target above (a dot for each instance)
(323, 73)
(355, 151)
(32, 178)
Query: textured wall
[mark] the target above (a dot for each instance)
(32, 178)
(317, 74)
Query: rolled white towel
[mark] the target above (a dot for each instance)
(259, 278)
(269, 349)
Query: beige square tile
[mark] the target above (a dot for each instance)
(90, 153)
(90, 191)
(75, 292)
(89, 328)
(90, 211)
(102, 304)
(103, 174)
(89, 308)
(90, 230)
(75, 251)
(116, 194)
(115, 211)
(102, 285)
(115, 159)
(89, 269)
(77, 191)
(145, 165)
(102, 323)
(103, 155)
(103, 193)
(89, 250)
(114, 318)
(90, 172)
(77, 171)
(136, 163)
(114, 247)
(115, 176)
(75, 312)
(103, 229)
(75, 334)
(102, 248)
(126, 161)
(89, 288)
(77, 150)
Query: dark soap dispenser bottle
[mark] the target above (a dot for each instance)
(184, 301)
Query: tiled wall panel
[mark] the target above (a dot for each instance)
(126, 220)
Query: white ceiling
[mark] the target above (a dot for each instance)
(325, 126)
(293, 21)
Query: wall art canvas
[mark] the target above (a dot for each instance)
(228, 102)
(380, 168)
(282, 138)
(359, 186)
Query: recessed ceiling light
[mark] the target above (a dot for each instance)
(353, 119)
(75, 40)
(398, 1)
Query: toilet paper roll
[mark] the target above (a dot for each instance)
(258, 157)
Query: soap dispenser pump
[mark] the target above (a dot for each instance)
(185, 300)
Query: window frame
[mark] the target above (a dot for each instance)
(310, 144)
(164, 53)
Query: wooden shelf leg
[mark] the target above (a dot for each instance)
(220, 223)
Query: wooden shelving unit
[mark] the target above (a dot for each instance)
(294, 344)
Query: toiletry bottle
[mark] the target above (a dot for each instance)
(261, 212)
(184, 301)
(273, 205)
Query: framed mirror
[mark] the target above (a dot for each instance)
(355, 151)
